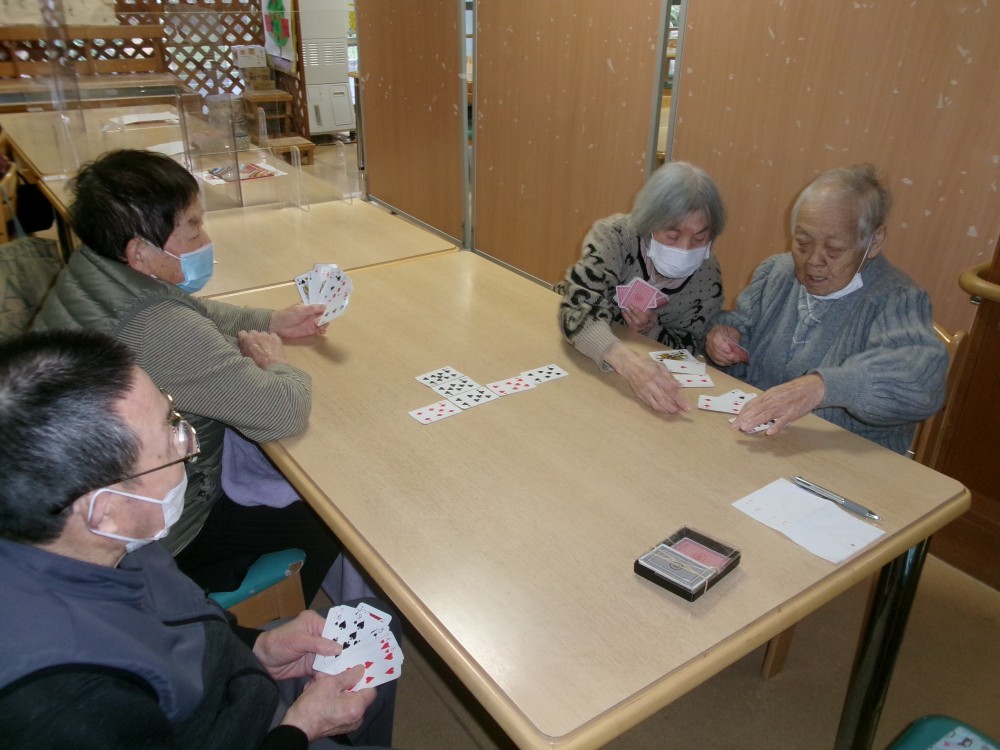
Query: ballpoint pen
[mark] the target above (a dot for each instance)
(833, 497)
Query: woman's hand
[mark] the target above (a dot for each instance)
(652, 383)
(297, 321)
(782, 404)
(720, 345)
(640, 321)
(263, 348)
(326, 708)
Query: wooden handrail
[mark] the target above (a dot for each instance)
(972, 281)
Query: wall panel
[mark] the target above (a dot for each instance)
(412, 98)
(771, 93)
(564, 101)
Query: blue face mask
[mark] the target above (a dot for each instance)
(197, 267)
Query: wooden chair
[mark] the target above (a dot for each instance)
(270, 590)
(932, 435)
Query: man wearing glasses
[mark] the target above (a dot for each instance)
(103, 642)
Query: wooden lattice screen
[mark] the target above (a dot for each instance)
(199, 35)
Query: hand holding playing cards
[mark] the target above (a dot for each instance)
(289, 650)
(326, 708)
(721, 345)
(652, 384)
(784, 404)
(263, 348)
(297, 321)
(639, 321)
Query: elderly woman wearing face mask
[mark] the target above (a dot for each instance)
(665, 241)
(833, 327)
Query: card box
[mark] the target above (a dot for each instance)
(687, 563)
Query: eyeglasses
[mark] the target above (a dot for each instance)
(185, 443)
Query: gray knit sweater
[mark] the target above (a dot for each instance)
(882, 364)
(613, 255)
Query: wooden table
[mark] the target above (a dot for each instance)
(506, 534)
(267, 245)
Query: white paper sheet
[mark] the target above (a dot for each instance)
(819, 525)
(173, 148)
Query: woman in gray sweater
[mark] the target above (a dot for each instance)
(832, 327)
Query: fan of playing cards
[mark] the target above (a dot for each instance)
(364, 635)
(639, 295)
(326, 285)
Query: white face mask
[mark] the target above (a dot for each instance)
(675, 263)
(854, 284)
(172, 505)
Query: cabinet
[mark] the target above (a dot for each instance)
(324, 25)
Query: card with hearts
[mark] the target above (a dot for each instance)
(728, 403)
(365, 640)
(435, 412)
(693, 381)
(515, 384)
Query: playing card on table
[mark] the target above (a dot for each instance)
(679, 360)
(435, 412)
(474, 397)
(693, 381)
(506, 387)
(544, 374)
(729, 403)
(439, 375)
(453, 387)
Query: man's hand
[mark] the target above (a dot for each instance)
(719, 345)
(289, 650)
(784, 404)
(263, 348)
(652, 384)
(326, 709)
(639, 321)
(297, 321)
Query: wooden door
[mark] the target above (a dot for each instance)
(972, 542)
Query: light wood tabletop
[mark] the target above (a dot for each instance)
(506, 534)
(267, 244)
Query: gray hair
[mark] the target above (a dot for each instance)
(858, 184)
(671, 193)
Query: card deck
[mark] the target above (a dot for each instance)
(435, 412)
(544, 374)
(326, 285)
(366, 640)
(515, 384)
(729, 403)
(637, 295)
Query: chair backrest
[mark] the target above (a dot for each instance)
(935, 431)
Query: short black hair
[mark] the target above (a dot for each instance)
(60, 434)
(129, 194)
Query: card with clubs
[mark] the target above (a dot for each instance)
(728, 403)
(454, 386)
(478, 395)
(544, 374)
(439, 375)
(435, 412)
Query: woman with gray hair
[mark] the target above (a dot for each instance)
(832, 327)
(665, 242)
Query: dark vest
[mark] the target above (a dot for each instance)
(145, 619)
